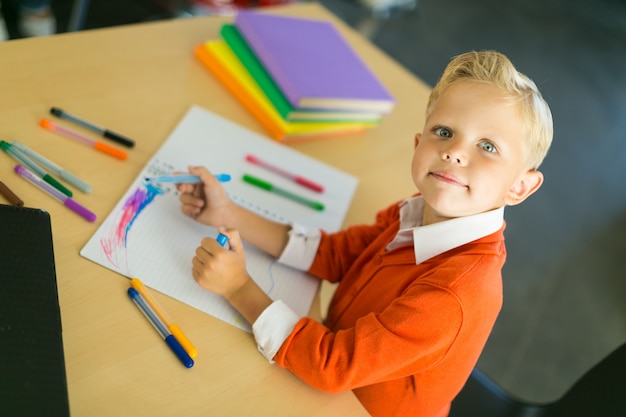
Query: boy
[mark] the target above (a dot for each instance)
(420, 289)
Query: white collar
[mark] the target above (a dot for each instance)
(436, 238)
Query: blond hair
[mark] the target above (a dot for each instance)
(496, 69)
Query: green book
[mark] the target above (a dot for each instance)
(246, 55)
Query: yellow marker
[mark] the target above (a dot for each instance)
(173, 328)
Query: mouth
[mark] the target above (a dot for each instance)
(448, 178)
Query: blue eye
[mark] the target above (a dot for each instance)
(487, 146)
(443, 132)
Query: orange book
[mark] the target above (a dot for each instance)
(226, 67)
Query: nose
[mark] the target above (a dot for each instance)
(454, 153)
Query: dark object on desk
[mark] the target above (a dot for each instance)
(32, 363)
(10, 196)
(109, 134)
(599, 392)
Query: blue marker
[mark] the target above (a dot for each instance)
(222, 239)
(160, 327)
(184, 178)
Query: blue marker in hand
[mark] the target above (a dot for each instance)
(184, 178)
(222, 239)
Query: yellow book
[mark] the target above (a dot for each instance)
(224, 64)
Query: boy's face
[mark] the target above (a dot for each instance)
(470, 157)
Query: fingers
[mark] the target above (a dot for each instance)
(234, 240)
(206, 253)
(206, 201)
(185, 187)
(202, 262)
(200, 171)
(191, 200)
(208, 248)
(207, 178)
(191, 207)
(192, 196)
(217, 269)
(197, 268)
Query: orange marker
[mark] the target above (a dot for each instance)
(167, 321)
(97, 145)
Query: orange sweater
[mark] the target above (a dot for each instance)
(403, 337)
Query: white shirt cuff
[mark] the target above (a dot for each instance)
(272, 328)
(301, 247)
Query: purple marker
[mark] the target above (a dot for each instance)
(54, 193)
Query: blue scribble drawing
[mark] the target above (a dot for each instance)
(115, 243)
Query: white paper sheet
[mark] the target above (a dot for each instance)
(148, 237)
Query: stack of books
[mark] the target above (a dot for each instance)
(298, 77)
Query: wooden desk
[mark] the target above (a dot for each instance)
(139, 81)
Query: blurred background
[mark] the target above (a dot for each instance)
(565, 276)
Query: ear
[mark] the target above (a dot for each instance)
(417, 139)
(525, 185)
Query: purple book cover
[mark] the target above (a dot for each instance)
(312, 63)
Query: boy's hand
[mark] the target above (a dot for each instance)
(207, 202)
(218, 269)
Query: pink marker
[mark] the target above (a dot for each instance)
(96, 144)
(295, 178)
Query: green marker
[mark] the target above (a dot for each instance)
(23, 159)
(315, 205)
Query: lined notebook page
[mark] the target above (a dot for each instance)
(148, 237)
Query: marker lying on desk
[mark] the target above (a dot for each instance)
(60, 172)
(167, 321)
(10, 195)
(54, 193)
(316, 205)
(295, 178)
(116, 137)
(184, 178)
(97, 145)
(160, 327)
(23, 159)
